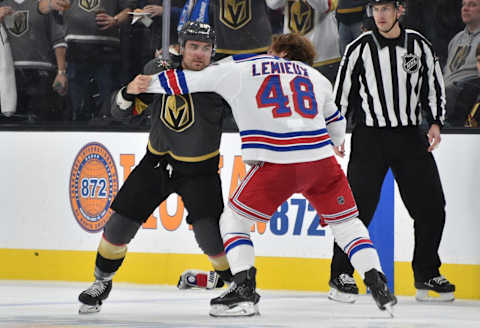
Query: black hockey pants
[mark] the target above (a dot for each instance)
(404, 150)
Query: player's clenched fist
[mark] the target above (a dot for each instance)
(139, 84)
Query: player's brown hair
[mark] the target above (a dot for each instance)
(296, 46)
(477, 51)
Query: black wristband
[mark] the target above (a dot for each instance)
(127, 96)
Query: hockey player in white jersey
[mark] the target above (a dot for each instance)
(288, 123)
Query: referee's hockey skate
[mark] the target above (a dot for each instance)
(240, 299)
(91, 298)
(377, 283)
(440, 286)
(343, 289)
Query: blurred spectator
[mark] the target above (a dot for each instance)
(38, 50)
(276, 20)
(461, 63)
(8, 91)
(314, 19)
(146, 36)
(47, 6)
(368, 24)
(242, 27)
(434, 19)
(5, 11)
(349, 16)
(469, 114)
(93, 56)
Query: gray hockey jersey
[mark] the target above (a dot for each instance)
(242, 26)
(462, 62)
(186, 127)
(315, 19)
(81, 23)
(33, 36)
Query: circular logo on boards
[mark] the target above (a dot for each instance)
(93, 186)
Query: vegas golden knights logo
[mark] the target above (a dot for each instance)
(20, 23)
(235, 13)
(89, 5)
(177, 112)
(300, 17)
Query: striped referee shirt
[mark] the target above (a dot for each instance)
(389, 81)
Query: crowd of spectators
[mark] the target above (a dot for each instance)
(70, 55)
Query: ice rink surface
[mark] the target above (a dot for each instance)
(54, 304)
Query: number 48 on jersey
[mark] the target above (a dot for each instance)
(271, 94)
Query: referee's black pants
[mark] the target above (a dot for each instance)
(404, 150)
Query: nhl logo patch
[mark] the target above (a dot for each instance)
(340, 200)
(411, 63)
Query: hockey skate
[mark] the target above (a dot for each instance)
(377, 283)
(440, 286)
(240, 299)
(343, 289)
(91, 299)
(200, 279)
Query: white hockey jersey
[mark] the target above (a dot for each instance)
(315, 19)
(284, 109)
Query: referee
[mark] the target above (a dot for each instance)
(387, 78)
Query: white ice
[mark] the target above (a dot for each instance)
(54, 304)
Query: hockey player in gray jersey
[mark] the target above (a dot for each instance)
(182, 157)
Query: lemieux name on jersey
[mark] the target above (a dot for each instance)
(277, 67)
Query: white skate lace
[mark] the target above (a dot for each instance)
(440, 280)
(230, 289)
(345, 279)
(96, 289)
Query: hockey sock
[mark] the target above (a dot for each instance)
(235, 232)
(353, 237)
(226, 275)
(219, 262)
(109, 258)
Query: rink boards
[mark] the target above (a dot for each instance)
(56, 189)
